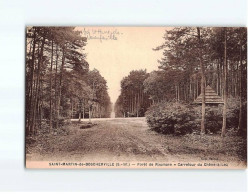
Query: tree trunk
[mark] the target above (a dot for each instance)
(178, 93)
(83, 112)
(240, 127)
(79, 116)
(132, 102)
(35, 107)
(89, 114)
(60, 88)
(197, 88)
(72, 109)
(218, 78)
(29, 110)
(223, 132)
(203, 80)
(51, 69)
(55, 82)
(83, 108)
(137, 106)
(190, 90)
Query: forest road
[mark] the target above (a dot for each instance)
(130, 140)
(115, 139)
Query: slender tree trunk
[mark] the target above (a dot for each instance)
(240, 127)
(89, 114)
(72, 110)
(178, 93)
(203, 80)
(60, 88)
(218, 78)
(184, 91)
(231, 91)
(197, 88)
(83, 113)
(132, 102)
(79, 116)
(223, 132)
(39, 105)
(137, 106)
(35, 108)
(236, 82)
(221, 77)
(29, 116)
(55, 83)
(51, 69)
(129, 103)
(83, 108)
(190, 90)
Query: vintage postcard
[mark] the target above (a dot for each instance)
(136, 97)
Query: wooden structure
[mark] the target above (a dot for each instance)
(211, 97)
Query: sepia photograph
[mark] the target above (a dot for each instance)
(125, 97)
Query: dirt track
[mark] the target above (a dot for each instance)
(110, 140)
(131, 140)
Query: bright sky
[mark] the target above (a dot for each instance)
(116, 58)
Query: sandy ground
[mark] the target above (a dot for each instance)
(128, 140)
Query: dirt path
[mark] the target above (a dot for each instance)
(127, 140)
(110, 140)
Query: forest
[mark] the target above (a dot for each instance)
(191, 107)
(193, 58)
(133, 100)
(59, 84)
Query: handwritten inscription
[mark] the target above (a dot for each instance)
(101, 34)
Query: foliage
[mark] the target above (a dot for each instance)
(214, 115)
(155, 86)
(178, 118)
(181, 61)
(133, 101)
(190, 53)
(213, 118)
(171, 118)
(233, 109)
(58, 78)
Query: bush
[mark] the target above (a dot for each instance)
(214, 115)
(233, 105)
(171, 118)
(213, 118)
(44, 128)
(61, 121)
(178, 118)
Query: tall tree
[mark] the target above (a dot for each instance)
(45, 84)
(133, 100)
(242, 44)
(223, 132)
(181, 47)
(203, 81)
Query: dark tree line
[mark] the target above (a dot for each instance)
(133, 100)
(58, 78)
(98, 104)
